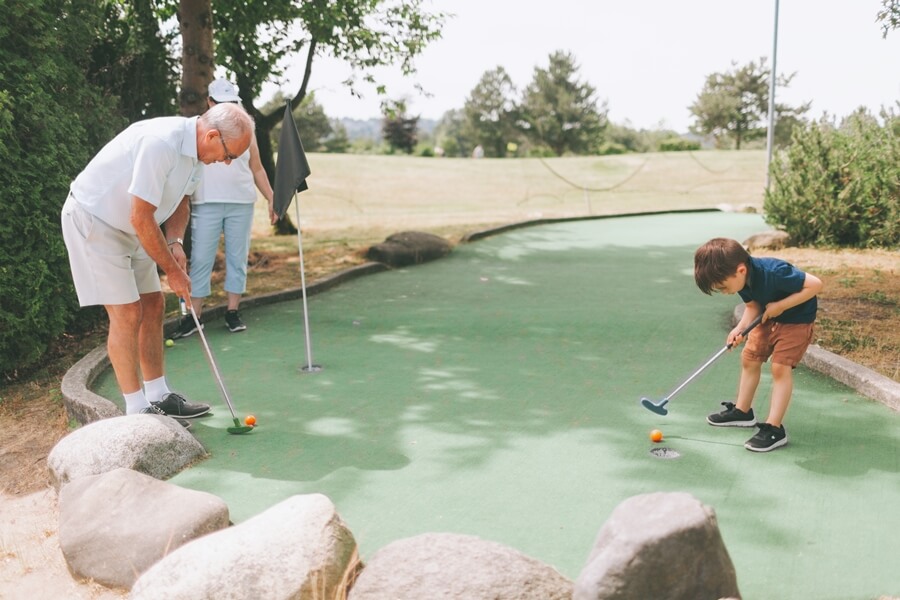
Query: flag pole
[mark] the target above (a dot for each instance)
(291, 171)
(309, 367)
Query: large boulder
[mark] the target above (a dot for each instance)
(151, 444)
(409, 248)
(768, 240)
(447, 565)
(660, 545)
(298, 549)
(114, 526)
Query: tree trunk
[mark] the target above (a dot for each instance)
(197, 62)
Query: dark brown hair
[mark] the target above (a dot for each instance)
(717, 260)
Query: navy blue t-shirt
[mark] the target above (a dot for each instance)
(772, 279)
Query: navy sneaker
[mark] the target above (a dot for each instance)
(233, 321)
(186, 327)
(732, 417)
(152, 410)
(174, 405)
(767, 438)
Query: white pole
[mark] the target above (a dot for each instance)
(770, 138)
(309, 367)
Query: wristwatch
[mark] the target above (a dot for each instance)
(176, 241)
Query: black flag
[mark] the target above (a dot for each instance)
(291, 168)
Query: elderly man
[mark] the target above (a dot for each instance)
(126, 214)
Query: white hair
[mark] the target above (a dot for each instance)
(231, 120)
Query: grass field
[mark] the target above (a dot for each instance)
(359, 192)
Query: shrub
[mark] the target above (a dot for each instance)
(610, 148)
(839, 186)
(50, 124)
(677, 144)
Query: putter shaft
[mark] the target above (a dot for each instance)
(212, 364)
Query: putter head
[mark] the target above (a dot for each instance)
(238, 429)
(659, 409)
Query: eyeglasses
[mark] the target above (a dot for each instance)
(228, 155)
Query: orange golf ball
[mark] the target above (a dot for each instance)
(250, 420)
(656, 435)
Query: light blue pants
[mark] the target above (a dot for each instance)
(208, 222)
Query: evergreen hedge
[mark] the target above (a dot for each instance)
(51, 123)
(839, 186)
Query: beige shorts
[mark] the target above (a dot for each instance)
(108, 265)
(785, 343)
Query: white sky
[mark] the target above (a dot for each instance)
(647, 58)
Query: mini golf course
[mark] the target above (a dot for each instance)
(496, 393)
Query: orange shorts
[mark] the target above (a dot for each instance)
(785, 343)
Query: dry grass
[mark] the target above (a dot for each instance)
(859, 309)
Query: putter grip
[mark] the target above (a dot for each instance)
(749, 327)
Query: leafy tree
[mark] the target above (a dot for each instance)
(451, 136)
(130, 59)
(338, 141)
(398, 128)
(312, 123)
(889, 16)
(256, 38)
(560, 112)
(490, 113)
(51, 122)
(734, 105)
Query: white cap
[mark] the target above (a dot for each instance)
(222, 90)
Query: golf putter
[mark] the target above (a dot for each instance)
(238, 428)
(660, 407)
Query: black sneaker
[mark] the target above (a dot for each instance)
(152, 410)
(233, 321)
(767, 438)
(174, 405)
(186, 327)
(732, 417)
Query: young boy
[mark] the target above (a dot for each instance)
(786, 297)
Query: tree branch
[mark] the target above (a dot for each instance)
(307, 74)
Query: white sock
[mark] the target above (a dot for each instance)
(135, 402)
(156, 389)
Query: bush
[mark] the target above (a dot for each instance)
(839, 186)
(677, 144)
(540, 152)
(50, 124)
(610, 148)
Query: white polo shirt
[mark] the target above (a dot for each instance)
(155, 160)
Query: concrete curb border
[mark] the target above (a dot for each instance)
(84, 406)
(865, 381)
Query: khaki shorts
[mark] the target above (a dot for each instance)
(785, 343)
(109, 266)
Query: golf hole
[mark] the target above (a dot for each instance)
(665, 453)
